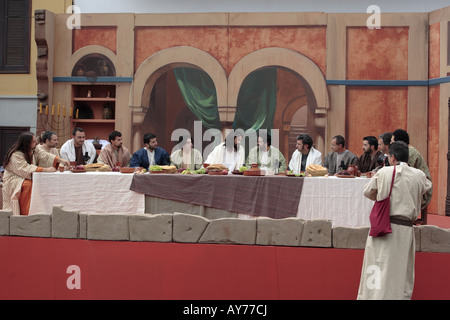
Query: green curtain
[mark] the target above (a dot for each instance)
(257, 101)
(199, 93)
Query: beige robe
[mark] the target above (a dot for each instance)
(388, 265)
(196, 162)
(110, 156)
(17, 171)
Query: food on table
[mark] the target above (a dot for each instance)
(217, 169)
(155, 168)
(316, 170)
(97, 167)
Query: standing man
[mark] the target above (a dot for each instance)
(368, 160)
(340, 157)
(78, 149)
(115, 152)
(49, 143)
(388, 265)
(151, 154)
(304, 155)
(267, 157)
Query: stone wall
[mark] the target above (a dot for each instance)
(187, 228)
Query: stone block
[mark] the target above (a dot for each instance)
(35, 225)
(188, 228)
(4, 222)
(109, 226)
(417, 237)
(434, 239)
(279, 232)
(150, 227)
(230, 231)
(316, 233)
(350, 238)
(83, 225)
(65, 224)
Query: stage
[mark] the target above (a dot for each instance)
(55, 269)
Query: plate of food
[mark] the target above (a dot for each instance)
(78, 169)
(217, 170)
(344, 174)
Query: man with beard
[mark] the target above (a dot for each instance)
(49, 143)
(151, 154)
(266, 156)
(304, 155)
(21, 161)
(368, 160)
(115, 152)
(229, 153)
(78, 149)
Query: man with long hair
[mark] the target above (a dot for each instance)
(21, 160)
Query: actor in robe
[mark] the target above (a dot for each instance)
(78, 149)
(150, 154)
(388, 265)
(229, 153)
(49, 143)
(266, 156)
(115, 153)
(368, 161)
(21, 161)
(187, 157)
(304, 155)
(415, 160)
(340, 158)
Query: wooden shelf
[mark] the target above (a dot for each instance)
(94, 99)
(94, 120)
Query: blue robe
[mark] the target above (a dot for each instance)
(140, 158)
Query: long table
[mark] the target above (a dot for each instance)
(89, 192)
(337, 199)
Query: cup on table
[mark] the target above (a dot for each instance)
(61, 168)
(119, 164)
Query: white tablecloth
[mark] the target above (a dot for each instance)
(340, 200)
(89, 192)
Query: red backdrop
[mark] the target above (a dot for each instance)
(36, 268)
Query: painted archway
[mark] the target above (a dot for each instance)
(159, 63)
(310, 77)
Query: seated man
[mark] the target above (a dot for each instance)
(21, 160)
(78, 149)
(115, 152)
(229, 153)
(384, 141)
(266, 156)
(304, 155)
(49, 143)
(340, 157)
(415, 160)
(368, 160)
(187, 157)
(150, 154)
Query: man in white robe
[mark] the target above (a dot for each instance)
(388, 266)
(229, 153)
(304, 155)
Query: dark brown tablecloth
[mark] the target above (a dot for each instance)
(271, 196)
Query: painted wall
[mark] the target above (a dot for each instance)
(340, 46)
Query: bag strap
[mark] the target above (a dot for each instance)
(392, 183)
